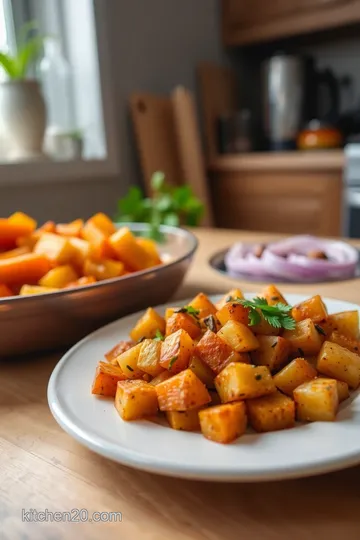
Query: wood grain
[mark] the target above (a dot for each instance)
(42, 467)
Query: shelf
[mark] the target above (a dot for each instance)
(258, 161)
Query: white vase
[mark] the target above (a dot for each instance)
(22, 119)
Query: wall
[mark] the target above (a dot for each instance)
(154, 46)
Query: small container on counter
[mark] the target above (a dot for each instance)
(319, 135)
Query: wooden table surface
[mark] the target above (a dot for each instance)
(41, 467)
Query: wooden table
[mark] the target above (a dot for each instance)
(41, 467)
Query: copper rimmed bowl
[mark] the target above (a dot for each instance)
(49, 321)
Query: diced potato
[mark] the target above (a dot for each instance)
(223, 423)
(176, 351)
(118, 349)
(304, 339)
(148, 325)
(100, 247)
(11, 231)
(273, 296)
(81, 282)
(313, 308)
(271, 413)
(56, 248)
(128, 362)
(128, 250)
(149, 357)
(106, 379)
(70, 229)
(105, 269)
(27, 290)
(170, 312)
(82, 251)
(164, 376)
(184, 420)
(59, 277)
(349, 343)
(185, 322)
(264, 328)
(336, 361)
(233, 311)
(19, 218)
(242, 381)
(14, 252)
(102, 222)
(202, 371)
(317, 400)
(135, 400)
(202, 303)
(27, 268)
(345, 323)
(293, 375)
(5, 291)
(182, 392)
(48, 226)
(229, 297)
(273, 352)
(214, 352)
(343, 391)
(150, 247)
(239, 337)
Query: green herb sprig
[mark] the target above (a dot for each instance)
(189, 310)
(277, 316)
(159, 336)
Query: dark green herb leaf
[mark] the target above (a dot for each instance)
(172, 361)
(129, 368)
(159, 336)
(277, 316)
(171, 219)
(210, 323)
(320, 330)
(189, 310)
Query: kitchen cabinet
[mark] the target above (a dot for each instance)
(252, 21)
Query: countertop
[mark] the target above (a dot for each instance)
(41, 467)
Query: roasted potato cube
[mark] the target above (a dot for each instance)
(304, 339)
(345, 323)
(147, 325)
(118, 349)
(184, 420)
(214, 352)
(5, 291)
(347, 342)
(169, 312)
(243, 381)
(59, 277)
(102, 222)
(128, 250)
(293, 375)
(56, 248)
(316, 400)
(23, 220)
(264, 328)
(35, 289)
(230, 296)
(273, 296)
(223, 423)
(202, 371)
(233, 311)
(273, 352)
(70, 229)
(313, 308)
(176, 351)
(336, 361)
(202, 303)
(271, 413)
(106, 379)
(150, 247)
(81, 282)
(128, 362)
(100, 247)
(239, 337)
(182, 392)
(343, 390)
(185, 322)
(164, 376)
(82, 251)
(27, 268)
(149, 357)
(105, 269)
(135, 400)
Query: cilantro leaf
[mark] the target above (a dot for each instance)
(189, 310)
(159, 336)
(277, 316)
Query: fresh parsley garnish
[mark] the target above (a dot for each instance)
(129, 367)
(159, 336)
(320, 330)
(189, 310)
(172, 361)
(277, 316)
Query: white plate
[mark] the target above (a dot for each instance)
(305, 450)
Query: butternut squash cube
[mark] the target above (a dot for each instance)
(317, 400)
(337, 362)
(313, 308)
(149, 357)
(185, 322)
(243, 381)
(148, 325)
(82, 250)
(271, 413)
(230, 296)
(105, 269)
(343, 391)
(223, 423)
(304, 340)
(56, 248)
(149, 246)
(100, 247)
(135, 400)
(23, 220)
(273, 296)
(59, 277)
(128, 250)
(273, 352)
(102, 222)
(164, 376)
(233, 311)
(345, 323)
(118, 349)
(28, 268)
(176, 351)
(293, 375)
(202, 371)
(214, 352)
(347, 342)
(182, 392)
(128, 362)
(202, 303)
(106, 379)
(239, 337)
(184, 420)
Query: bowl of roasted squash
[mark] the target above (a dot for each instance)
(59, 281)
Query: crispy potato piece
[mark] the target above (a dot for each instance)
(273, 296)
(317, 400)
(19, 218)
(313, 308)
(202, 371)
(27, 290)
(273, 352)
(238, 337)
(214, 352)
(128, 250)
(169, 312)
(147, 325)
(347, 342)
(14, 252)
(149, 357)
(176, 351)
(337, 362)
(164, 376)
(343, 391)
(118, 349)
(271, 413)
(102, 222)
(184, 420)
(223, 423)
(233, 311)
(229, 297)
(135, 400)
(57, 249)
(106, 379)
(128, 362)
(182, 392)
(293, 375)
(304, 339)
(106, 269)
(149, 246)
(202, 303)
(81, 282)
(345, 323)
(59, 277)
(242, 381)
(5, 291)
(70, 229)
(185, 322)
(27, 268)
(82, 250)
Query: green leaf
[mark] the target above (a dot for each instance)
(159, 336)
(277, 315)
(28, 54)
(181, 196)
(130, 203)
(171, 219)
(189, 310)
(158, 181)
(163, 203)
(9, 65)
(254, 317)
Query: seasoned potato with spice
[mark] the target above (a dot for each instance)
(135, 400)
(345, 323)
(304, 339)
(233, 311)
(239, 337)
(272, 352)
(169, 312)
(347, 342)
(224, 423)
(164, 376)
(317, 400)
(124, 244)
(313, 308)
(149, 357)
(57, 249)
(343, 390)
(184, 420)
(336, 361)
(59, 277)
(185, 322)
(202, 371)
(128, 362)
(118, 349)
(230, 296)
(293, 375)
(148, 325)
(202, 304)
(272, 295)
(182, 392)
(271, 413)
(176, 351)
(214, 352)
(106, 379)
(243, 381)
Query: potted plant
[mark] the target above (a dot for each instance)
(22, 107)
